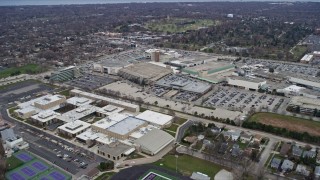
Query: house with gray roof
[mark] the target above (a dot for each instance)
(236, 151)
(296, 151)
(302, 169)
(317, 172)
(309, 154)
(275, 163)
(287, 165)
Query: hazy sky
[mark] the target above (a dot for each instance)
(57, 2)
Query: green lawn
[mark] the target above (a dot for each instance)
(242, 145)
(173, 128)
(289, 122)
(268, 160)
(105, 176)
(134, 156)
(27, 69)
(175, 25)
(188, 164)
(13, 162)
(65, 92)
(171, 133)
(180, 121)
(298, 52)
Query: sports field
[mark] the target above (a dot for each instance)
(27, 69)
(187, 164)
(156, 175)
(288, 122)
(33, 168)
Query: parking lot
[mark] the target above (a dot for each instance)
(238, 99)
(90, 82)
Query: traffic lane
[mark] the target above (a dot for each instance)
(49, 156)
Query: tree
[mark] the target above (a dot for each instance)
(156, 103)
(271, 70)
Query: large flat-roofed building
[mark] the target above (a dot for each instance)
(306, 105)
(78, 113)
(114, 151)
(79, 101)
(110, 67)
(156, 119)
(73, 128)
(306, 83)
(108, 110)
(103, 124)
(306, 58)
(122, 129)
(208, 68)
(66, 74)
(44, 118)
(184, 83)
(88, 137)
(246, 82)
(125, 105)
(144, 73)
(154, 141)
(47, 102)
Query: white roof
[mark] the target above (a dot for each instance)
(88, 135)
(155, 117)
(126, 125)
(110, 109)
(155, 140)
(79, 101)
(75, 126)
(294, 88)
(45, 116)
(109, 100)
(110, 120)
(142, 131)
(305, 102)
(307, 57)
(28, 109)
(78, 113)
(304, 82)
(41, 100)
(49, 99)
(103, 139)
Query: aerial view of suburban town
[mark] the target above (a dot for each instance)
(160, 91)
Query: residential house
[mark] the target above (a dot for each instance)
(257, 138)
(190, 139)
(309, 154)
(236, 151)
(275, 163)
(318, 158)
(215, 130)
(223, 148)
(234, 135)
(287, 165)
(285, 149)
(317, 172)
(245, 137)
(296, 151)
(302, 169)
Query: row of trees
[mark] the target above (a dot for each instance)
(305, 136)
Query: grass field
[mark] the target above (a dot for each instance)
(13, 162)
(65, 92)
(27, 69)
(288, 122)
(175, 25)
(188, 164)
(173, 128)
(105, 176)
(180, 121)
(299, 51)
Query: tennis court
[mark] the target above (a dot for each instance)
(24, 156)
(156, 175)
(36, 170)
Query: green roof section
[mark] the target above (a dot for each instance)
(221, 69)
(189, 71)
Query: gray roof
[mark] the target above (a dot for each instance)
(127, 125)
(8, 134)
(317, 170)
(155, 140)
(287, 165)
(275, 163)
(310, 154)
(296, 151)
(236, 150)
(114, 149)
(199, 176)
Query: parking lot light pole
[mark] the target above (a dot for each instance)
(176, 163)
